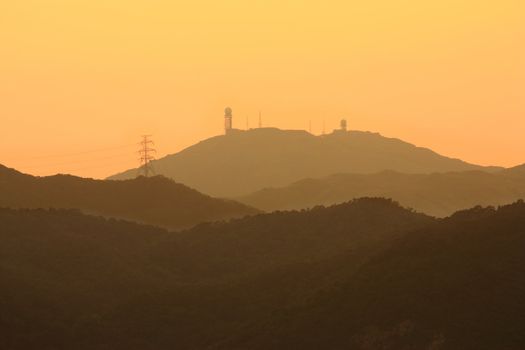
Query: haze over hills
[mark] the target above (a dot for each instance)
(362, 275)
(516, 171)
(129, 286)
(157, 200)
(242, 162)
(438, 194)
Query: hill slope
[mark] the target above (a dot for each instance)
(516, 171)
(155, 200)
(438, 194)
(456, 284)
(362, 275)
(246, 161)
(70, 280)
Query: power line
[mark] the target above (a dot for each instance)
(79, 153)
(73, 161)
(93, 167)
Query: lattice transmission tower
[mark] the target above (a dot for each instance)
(146, 153)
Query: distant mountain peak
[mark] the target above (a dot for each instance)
(245, 161)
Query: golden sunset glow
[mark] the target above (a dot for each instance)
(88, 77)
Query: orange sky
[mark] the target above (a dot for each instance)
(81, 80)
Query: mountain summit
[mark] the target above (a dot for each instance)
(242, 162)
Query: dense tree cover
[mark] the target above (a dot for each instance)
(155, 200)
(455, 284)
(366, 274)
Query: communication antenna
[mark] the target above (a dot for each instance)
(146, 153)
(260, 120)
(228, 124)
(343, 125)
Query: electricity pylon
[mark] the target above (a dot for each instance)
(146, 153)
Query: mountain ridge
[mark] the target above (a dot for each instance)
(156, 200)
(436, 194)
(242, 162)
(364, 275)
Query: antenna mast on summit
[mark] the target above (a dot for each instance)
(260, 120)
(146, 153)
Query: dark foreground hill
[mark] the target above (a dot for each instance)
(457, 284)
(246, 161)
(362, 275)
(155, 200)
(438, 194)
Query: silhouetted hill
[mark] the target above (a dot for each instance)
(457, 284)
(362, 275)
(75, 281)
(246, 161)
(518, 171)
(438, 194)
(257, 244)
(155, 200)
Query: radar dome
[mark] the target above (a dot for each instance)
(227, 112)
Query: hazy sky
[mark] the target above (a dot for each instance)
(81, 80)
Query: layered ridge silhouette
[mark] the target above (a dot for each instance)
(246, 161)
(364, 275)
(454, 284)
(156, 200)
(438, 194)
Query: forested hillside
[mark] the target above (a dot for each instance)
(366, 274)
(156, 200)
